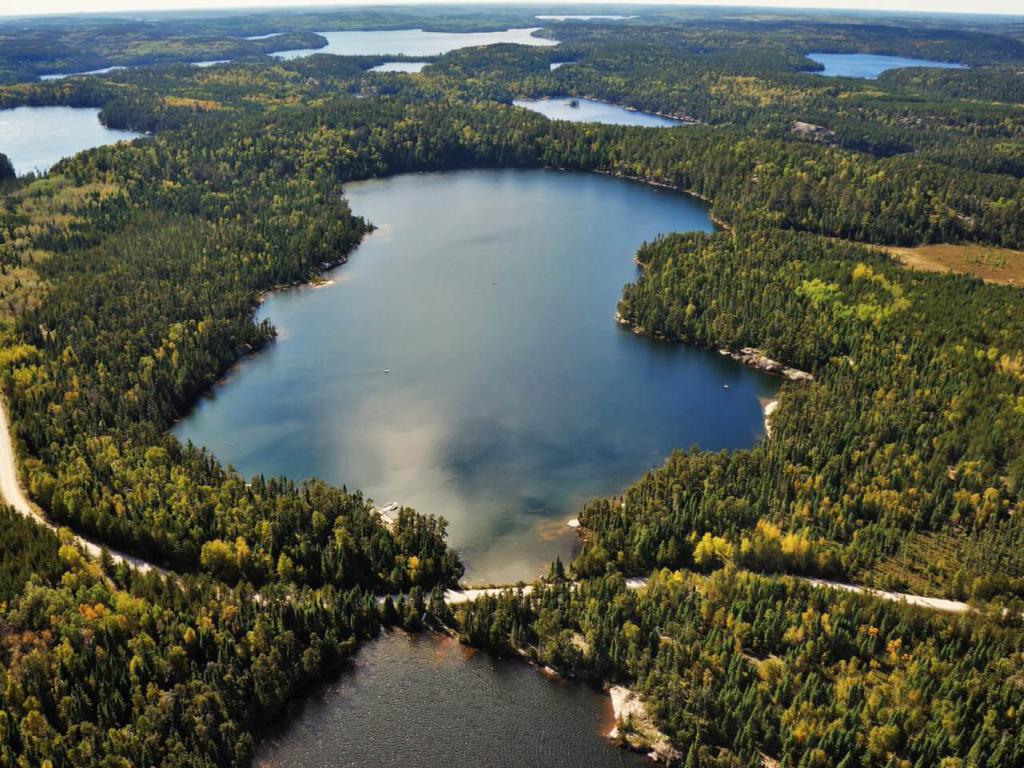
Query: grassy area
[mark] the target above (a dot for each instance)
(994, 265)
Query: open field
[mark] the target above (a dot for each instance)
(994, 265)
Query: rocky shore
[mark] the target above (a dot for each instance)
(755, 358)
(635, 728)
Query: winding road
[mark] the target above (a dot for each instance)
(12, 494)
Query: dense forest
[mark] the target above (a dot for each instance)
(912, 425)
(128, 280)
(104, 666)
(742, 670)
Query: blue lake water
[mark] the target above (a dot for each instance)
(466, 362)
(413, 42)
(35, 138)
(590, 111)
(400, 66)
(868, 65)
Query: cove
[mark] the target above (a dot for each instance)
(424, 700)
(868, 65)
(591, 111)
(412, 42)
(466, 362)
(35, 138)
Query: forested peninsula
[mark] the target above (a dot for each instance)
(128, 280)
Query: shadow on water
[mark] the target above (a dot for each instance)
(410, 701)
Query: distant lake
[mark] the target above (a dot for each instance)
(61, 75)
(400, 66)
(586, 17)
(424, 701)
(413, 42)
(466, 362)
(868, 65)
(35, 138)
(590, 111)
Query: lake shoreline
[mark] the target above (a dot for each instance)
(683, 120)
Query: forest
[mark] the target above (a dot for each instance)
(128, 280)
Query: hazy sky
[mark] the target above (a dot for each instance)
(31, 7)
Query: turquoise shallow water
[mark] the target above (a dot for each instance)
(466, 362)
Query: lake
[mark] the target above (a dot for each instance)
(424, 701)
(868, 65)
(413, 42)
(590, 111)
(62, 75)
(400, 66)
(466, 362)
(35, 138)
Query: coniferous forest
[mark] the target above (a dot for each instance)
(129, 277)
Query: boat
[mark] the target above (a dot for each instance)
(573, 103)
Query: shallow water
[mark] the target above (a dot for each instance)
(412, 42)
(590, 111)
(35, 138)
(466, 362)
(868, 65)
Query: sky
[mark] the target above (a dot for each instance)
(33, 7)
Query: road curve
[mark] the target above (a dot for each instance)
(12, 494)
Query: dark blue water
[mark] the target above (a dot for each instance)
(427, 702)
(868, 65)
(466, 362)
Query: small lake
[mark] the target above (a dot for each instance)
(590, 111)
(35, 138)
(424, 701)
(413, 42)
(466, 362)
(868, 65)
(62, 75)
(400, 66)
